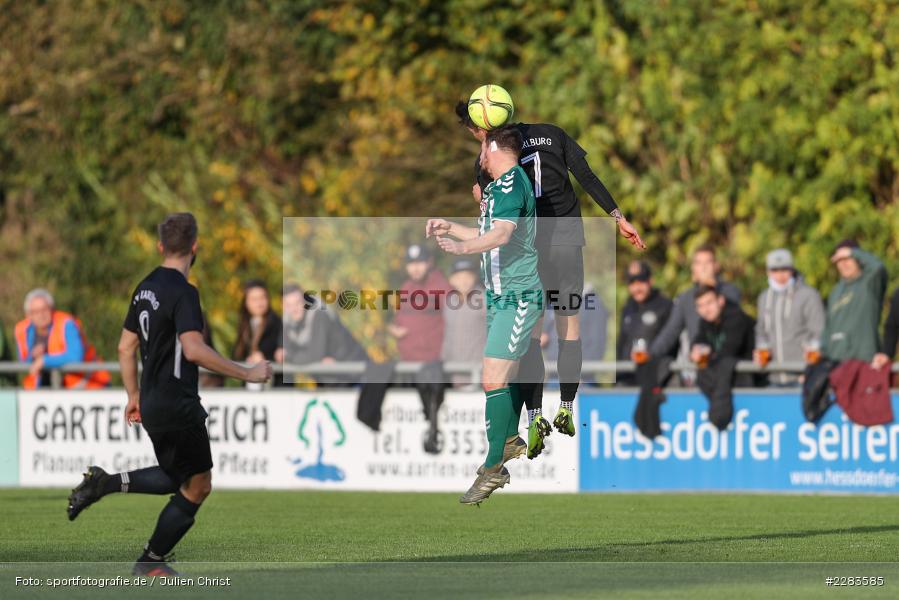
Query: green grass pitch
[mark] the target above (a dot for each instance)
(514, 546)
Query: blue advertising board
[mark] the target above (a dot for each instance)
(768, 446)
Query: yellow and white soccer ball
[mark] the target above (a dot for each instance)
(490, 106)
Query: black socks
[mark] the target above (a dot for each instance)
(570, 362)
(174, 521)
(152, 480)
(531, 372)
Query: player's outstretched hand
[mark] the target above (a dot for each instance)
(630, 233)
(132, 410)
(260, 372)
(437, 227)
(450, 246)
(476, 192)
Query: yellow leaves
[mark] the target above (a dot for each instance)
(223, 170)
(143, 239)
(308, 183)
(743, 241)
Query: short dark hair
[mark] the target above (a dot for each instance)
(847, 243)
(705, 248)
(705, 289)
(291, 288)
(177, 234)
(507, 138)
(464, 117)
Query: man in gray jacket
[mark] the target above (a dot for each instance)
(314, 334)
(683, 324)
(790, 315)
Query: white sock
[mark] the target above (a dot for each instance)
(532, 413)
(568, 404)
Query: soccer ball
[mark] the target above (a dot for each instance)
(490, 106)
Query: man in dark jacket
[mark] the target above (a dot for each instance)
(723, 326)
(646, 312)
(726, 335)
(854, 305)
(683, 324)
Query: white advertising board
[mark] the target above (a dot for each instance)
(286, 440)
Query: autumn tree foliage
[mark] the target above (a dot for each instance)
(747, 124)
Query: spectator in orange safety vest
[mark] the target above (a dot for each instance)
(48, 339)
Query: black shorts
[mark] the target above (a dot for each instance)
(561, 270)
(183, 453)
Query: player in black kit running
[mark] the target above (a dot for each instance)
(165, 322)
(548, 155)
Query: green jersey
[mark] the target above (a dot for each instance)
(511, 268)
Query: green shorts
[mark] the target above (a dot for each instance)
(510, 319)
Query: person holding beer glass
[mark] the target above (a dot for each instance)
(726, 335)
(724, 329)
(645, 313)
(790, 319)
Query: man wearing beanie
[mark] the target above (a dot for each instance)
(790, 315)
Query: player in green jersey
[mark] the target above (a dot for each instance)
(505, 240)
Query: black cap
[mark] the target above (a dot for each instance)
(416, 253)
(464, 264)
(638, 271)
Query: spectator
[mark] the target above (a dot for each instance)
(890, 335)
(723, 326)
(209, 379)
(314, 334)
(48, 339)
(6, 356)
(790, 316)
(259, 328)
(418, 325)
(594, 323)
(419, 329)
(683, 324)
(725, 336)
(645, 313)
(854, 305)
(464, 318)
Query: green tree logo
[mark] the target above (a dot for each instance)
(319, 421)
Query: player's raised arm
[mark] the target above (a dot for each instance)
(577, 164)
(441, 227)
(196, 351)
(496, 237)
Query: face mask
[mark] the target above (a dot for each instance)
(778, 287)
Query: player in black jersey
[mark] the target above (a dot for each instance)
(165, 323)
(548, 155)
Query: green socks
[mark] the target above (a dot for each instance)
(498, 412)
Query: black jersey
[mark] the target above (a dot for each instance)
(546, 157)
(164, 306)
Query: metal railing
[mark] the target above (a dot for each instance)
(471, 369)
